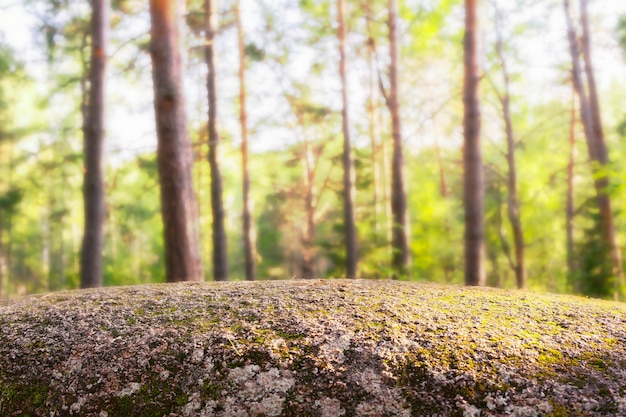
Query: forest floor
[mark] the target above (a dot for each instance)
(311, 348)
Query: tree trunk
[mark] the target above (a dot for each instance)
(8, 275)
(604, 200)
(585, 114)
(309, 252)
(220, 250)
(248, 229)
(93, 134)
(386, 188)
(44, 234)
(569, 205)
(400, 247)
(384, 225)
(596, 146)
(513, 206)
(62, 277)
(178, 203)
(448, 262)
(472, 158)
(348, 161)
(306, 261)
(373, 135)
(594, 105)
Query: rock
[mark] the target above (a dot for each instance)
(311, 348)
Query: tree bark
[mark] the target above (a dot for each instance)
(448, 263)
(472, 158)
(386, 189)
(569, 204)
(577, 81)
(248, 228)
(93, 136)
(400, 246)
(381, 170)
(178, 203)
(594, 105)
(306, 262)
(220, 250)
(604, 200)
(309, 252)
(596, 146)
(348, 161)
(513, 206)
(374, 134)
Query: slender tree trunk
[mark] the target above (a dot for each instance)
(443, 184)
(248, 228)
(448, 264)
(220, 251)
(596, 146)
(606, 212)
(577, 81)
(62, 278)
(381, 172)
(309, 229)
(374, 134)
(472, 158)
(44, 234)
(400, 254)
(348, 161)
(93, 133)
(513, 206)
(306, 261)
(569, 205)
(9, 227)
(385, 175)
(594, 105)
(178, 202)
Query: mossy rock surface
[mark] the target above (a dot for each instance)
(311, 348)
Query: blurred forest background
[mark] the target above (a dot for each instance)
(295, 140)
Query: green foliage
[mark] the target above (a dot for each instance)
(254, 52)
(11, 72)
(621, 128)
(8, 63)
(436, 243)
(294, 74)
(271, 250)
(10, 200)
(426, 21)
(134, 248)
(594, 277)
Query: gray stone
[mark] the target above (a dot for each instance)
(311, 348)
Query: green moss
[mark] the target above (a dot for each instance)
(27, 398)
(600, 364)
(181, 399)
(37, 344)
(155, 398)
(558, 410)
(122, 406)
(549, 357)
(289, 336)
(211, 390)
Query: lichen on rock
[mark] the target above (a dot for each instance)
(311, 348)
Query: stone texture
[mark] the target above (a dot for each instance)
(311, 348)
